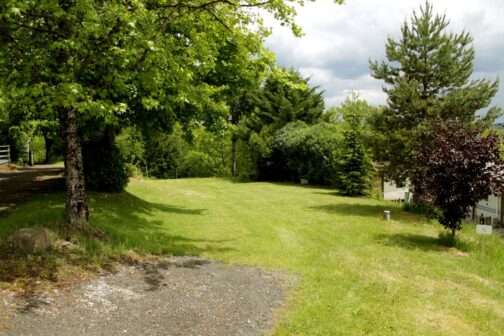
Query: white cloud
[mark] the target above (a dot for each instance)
(340, 40)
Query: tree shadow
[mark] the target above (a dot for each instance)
(129, 223)
(349, 209)
(367, 210)
(411, 241)
(334, 192)
(421, 242)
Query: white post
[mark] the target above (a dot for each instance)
(386, 215)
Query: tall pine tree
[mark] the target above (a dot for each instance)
(427, 77)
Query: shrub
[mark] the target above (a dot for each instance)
(132, 147)
(197, 164)
(164, 153)
(308, 152)
(104, 167)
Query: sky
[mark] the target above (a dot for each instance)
(340, 40)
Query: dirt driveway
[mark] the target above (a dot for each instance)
(18, 185)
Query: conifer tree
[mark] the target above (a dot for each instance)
(427, 77)
(354, 168)
(285, 97)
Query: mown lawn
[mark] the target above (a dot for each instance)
(358, 275)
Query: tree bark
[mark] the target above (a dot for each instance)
(234, 163)
(30, 155)
(77, 211)
(48, 147)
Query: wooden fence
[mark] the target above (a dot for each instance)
(5, 157)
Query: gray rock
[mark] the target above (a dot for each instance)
(31, 240)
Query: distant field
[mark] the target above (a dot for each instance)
(358, 275)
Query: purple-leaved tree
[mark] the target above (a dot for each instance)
(458, 165)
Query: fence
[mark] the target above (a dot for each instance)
(5, 157)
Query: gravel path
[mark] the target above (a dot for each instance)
(176, 296)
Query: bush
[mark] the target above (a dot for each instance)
(246, 164)
(421, 208)
(196, 152)
(132, 147)
(216, 145)
(197, 164)
(164, 153)
(104, 167)
(308, 152)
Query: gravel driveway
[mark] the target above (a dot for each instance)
(176, 296)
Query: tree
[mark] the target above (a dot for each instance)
(284, 97)
(308, 152)
(354, 167)
(427, 77)
(111, 63)
(459, 166)
(240, 69)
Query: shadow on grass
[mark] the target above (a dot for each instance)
(129, 222)
(133, 223)
(348, 209)
(411, 241)
(365, 210)
(421, 242)
(334, 192)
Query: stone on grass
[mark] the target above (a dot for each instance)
(31, 240)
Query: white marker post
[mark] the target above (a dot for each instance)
(386, 215)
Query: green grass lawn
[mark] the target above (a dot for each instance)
(357, 274)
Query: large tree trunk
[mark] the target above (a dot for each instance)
(234, 159)
(77, 211)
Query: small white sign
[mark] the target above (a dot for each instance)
(484, 229)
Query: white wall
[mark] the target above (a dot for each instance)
(393, 193)
(490, 207)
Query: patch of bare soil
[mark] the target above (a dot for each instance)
(175, 296)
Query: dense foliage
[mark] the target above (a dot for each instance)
(457, 167)
(104, 167)
(113, 64)
(192, 152)
(284, 97)
(301, 151)
(427, 77)
(354, 166)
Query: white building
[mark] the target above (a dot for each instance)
(392, 192)
(490, 208)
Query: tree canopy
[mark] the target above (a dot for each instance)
(427, 76)
(101, 65)
(459, 167)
